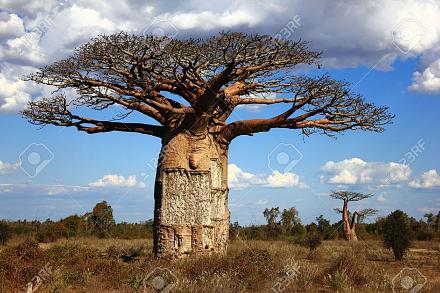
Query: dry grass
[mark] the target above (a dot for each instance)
(101, 265)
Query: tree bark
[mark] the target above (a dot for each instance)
(349, 229)
(191, 210)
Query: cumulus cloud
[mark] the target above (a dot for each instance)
(427, 81)
(350, 33)
(428, 180)
(357, 171)
(63, 189)
(113, 180)
(427, 210)
(11, 25)
(277, 179)
(262, 202)
(239, 179)
(257, 107)
(6, 168)
(13, 96)
(46, 189)
(212, 20)
(14, 92)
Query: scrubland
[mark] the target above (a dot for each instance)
(115, 265)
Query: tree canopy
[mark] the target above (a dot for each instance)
(195, 84)
(347, 196)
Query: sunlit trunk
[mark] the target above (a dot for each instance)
(191, 211)
(349, 230)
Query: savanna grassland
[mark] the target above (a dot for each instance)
(116, 265)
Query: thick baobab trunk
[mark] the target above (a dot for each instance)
(191, 193)
(349, 229)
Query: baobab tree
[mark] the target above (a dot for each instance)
(357, 216)
(190, 88)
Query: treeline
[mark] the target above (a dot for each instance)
(281, 225)
(287, 225)
(99, 223)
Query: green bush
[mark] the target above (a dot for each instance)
(314, 238)
(5, 233)
(397, 233)
(425, 235)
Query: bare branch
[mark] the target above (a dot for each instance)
(55, 111)
(349, 195)
(211, 77)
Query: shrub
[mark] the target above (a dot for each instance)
(5, 233)
(425, 235)
(397, 234)
(307, 274)
(254, 267)
(19, 264)
(299, 239)
(101, 222)
(313, 239)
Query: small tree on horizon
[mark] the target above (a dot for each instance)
(396, 233)
(289, 220)
(349, 226)
(314, 237)
(271, 216)
(101, 222)
(5, 232)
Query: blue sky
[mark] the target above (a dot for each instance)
(85, 169)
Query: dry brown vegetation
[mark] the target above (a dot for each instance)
(110, 265)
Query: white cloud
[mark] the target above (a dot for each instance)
(115, 180)
(277, 179)
(427, 81)
(208, 20)
(11, 25)
(262, 202)
(256, 107)
(46, 189)
(345, 40)
(28, 8)
(13, 96)
(428, 180)
(14, 92)
(63, 189)
(357, 171)
(427, 210)
(239, 179)
(6, 168)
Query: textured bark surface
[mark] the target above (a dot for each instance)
(191, 212)
(349, 229)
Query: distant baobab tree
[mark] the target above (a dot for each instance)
(210, 77)
(356, 217)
